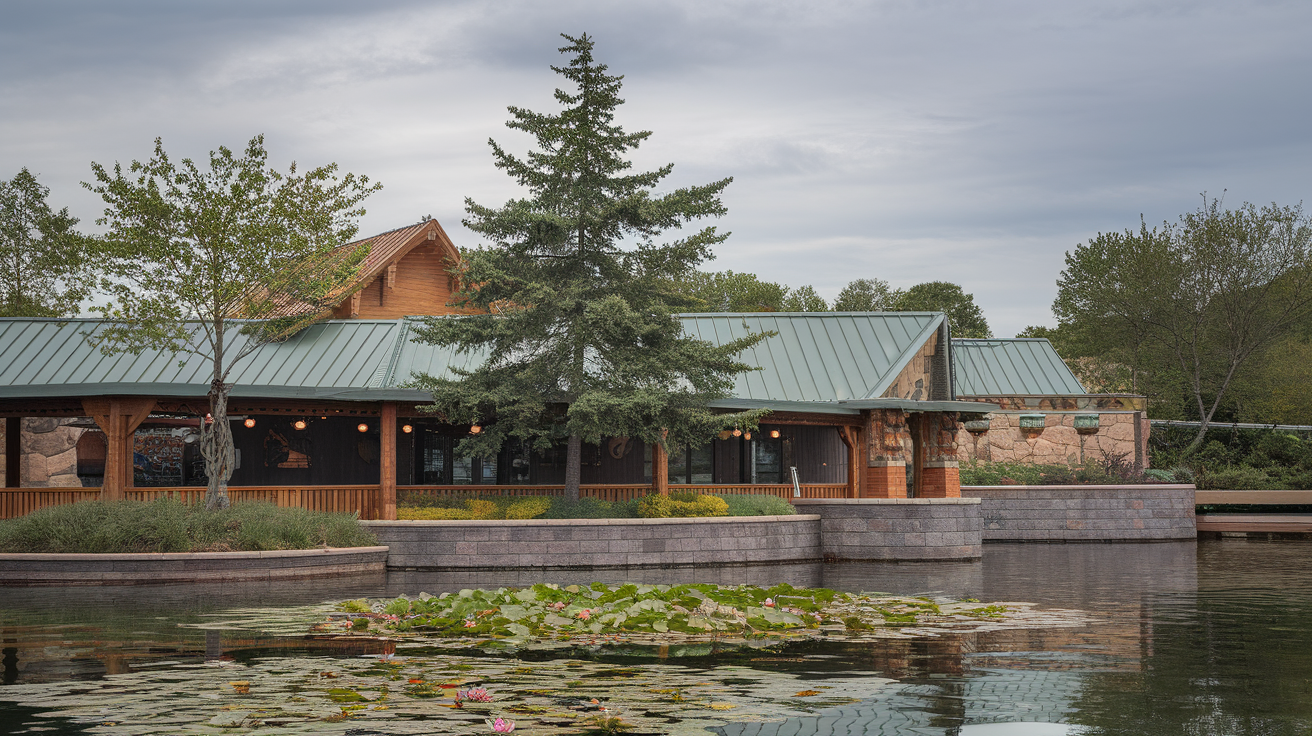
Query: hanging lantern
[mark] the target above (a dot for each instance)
(774, 434)
(249, 422)
(407, 428)
(747, 436)
(475, 429)
(362, 427)
(299, 424)
(737, 433)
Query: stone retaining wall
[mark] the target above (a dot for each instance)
(1085, 513)
(583, 543)
(187, 567)
(897, 528)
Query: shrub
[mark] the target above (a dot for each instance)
(1235, 478)
(755, 504)
(168, 526)
(681, 505)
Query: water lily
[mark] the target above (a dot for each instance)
(478, 695)
(558, 606)
(469, 623)
(769, 603)
(501, 725)
(585, 614)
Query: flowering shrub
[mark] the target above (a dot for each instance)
(682, 504)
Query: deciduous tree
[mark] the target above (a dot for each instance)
(47, 272)
(964, 315)
(190, 249)
(867, 295)
(1202, 296)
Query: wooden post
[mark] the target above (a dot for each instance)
(387, 460)
(118, 419)
(13, 452)
(660, 470)
(851, 437)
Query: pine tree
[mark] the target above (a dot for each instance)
(581, 333)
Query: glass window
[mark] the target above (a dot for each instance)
(701, 465)
(462, 471)
(517, 456)
(767, 460)
(678, 465)
(433, 458)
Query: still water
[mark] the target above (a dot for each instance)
(1182, 638)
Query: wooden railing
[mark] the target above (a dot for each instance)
(367, 499)
(363, 499)
(15, 502)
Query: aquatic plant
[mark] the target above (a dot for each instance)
(477, 695)
(501, 725)
(547, 611)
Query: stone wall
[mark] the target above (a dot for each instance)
(188, 567)
(1085, 513)
(1059, 443)
(49, 453)
(585, 543)
(905, 529)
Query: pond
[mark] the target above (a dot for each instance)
(1206, 638)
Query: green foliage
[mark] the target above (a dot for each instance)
(804, 299)
(47, 270)
(1188, 306)
(169, 526)
(964, 316)
(581, 334)
(1109, 471)
(757, 504)
(727, 291)
(867, 295)
(681, 504)
(462, 506)
(188, 250)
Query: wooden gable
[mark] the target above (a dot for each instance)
(409, 272)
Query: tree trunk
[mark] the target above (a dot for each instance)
(573, 467)
(216, 447)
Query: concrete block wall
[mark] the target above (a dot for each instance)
(528, 543)
(897, 528)
(1085, 513)
(36, 569)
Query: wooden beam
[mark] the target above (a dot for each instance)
(851, 437)
(660, 470)
(355, 304)
(391, 276)
(13, 452)
(387, 460)
(807, 419)
(118, 418)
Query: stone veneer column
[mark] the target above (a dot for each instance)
(941, 476)
(886, 467)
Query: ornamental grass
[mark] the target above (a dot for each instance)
(166, 525)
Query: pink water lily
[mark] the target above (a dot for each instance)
(558, 605)
(477, 694)
(501, 725)
(769, 603)
(469, 623)
(585, 614)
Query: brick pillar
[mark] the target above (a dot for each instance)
(886, 479)
(941, 476)
(886, 466)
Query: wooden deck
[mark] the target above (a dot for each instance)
(1260, 523)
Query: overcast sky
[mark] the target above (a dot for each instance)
(973, 142)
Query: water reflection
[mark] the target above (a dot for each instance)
(1214, 637)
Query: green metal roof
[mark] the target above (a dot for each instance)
(1011, 367)
(52, 358)
(814, 357)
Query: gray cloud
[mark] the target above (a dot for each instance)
(968, 141)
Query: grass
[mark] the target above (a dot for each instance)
(168, 526)
(467, 506)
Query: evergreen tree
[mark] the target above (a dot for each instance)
(581, 337)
